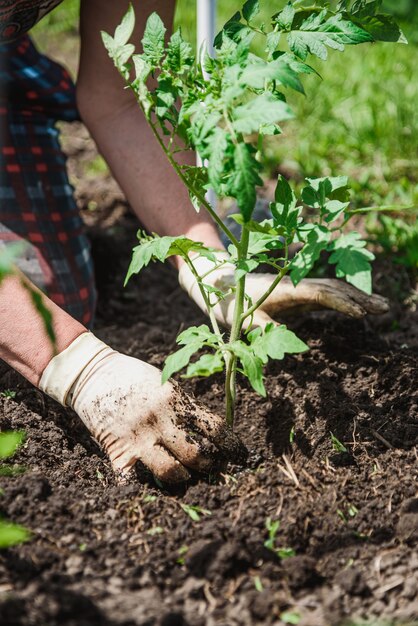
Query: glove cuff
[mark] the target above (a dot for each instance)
(64, 369)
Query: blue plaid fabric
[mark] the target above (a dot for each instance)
(36, 198)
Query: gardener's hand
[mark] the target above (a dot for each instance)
(309, 294)
(126, 408)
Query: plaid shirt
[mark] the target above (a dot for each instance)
(36, 198)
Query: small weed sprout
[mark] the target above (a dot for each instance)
(223, 108)
(337, 445)
(8, 393)
(272, 527)
(195, 512)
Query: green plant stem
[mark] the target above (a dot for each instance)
(270, 290)
(205, 297)
(230, 359)
(177, 169)
(264, 297)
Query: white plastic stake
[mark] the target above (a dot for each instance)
(206, 24)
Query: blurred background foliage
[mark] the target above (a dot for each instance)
(360, 120)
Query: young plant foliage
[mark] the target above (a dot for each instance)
(222, 107)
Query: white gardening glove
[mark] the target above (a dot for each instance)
(132, 415)
(309, 294)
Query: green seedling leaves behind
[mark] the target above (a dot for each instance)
(352, 260)
(153, 40)
(10, 442)
(272, 526)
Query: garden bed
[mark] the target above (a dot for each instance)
(106, 553)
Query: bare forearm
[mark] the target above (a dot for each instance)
(123, 136)
(24, 344)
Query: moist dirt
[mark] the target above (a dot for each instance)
(112, 554)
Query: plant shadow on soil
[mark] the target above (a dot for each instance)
(128, 554)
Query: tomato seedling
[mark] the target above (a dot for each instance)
(222, 108)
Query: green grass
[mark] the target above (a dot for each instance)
(361, 119)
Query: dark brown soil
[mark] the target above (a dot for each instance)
(103, 553)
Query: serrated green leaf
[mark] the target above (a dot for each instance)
(10, 442)
(218, 144)
(252, 365)
(284, 210)
(201, 334)
(245, 179)
(178, 360)
(122, 56)
(207, 365)
(153, 39)
(383, 28)
(264, 109)
(179, 54)
(229, 29)
(285, 18)
(335, 182)
(250, 10)
(125, 28)
(333, 209)
(273, 40)
(255, 75)
(12, 534)
(108, 43)
(316, 241)
(166, 95)
(159, 249)
(274, 342)
(319, 31)
(352, 260)
(244, 267)
(142, 67)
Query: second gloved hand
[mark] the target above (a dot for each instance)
(309, 294)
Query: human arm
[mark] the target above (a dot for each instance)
(121, 131)
(120, 399)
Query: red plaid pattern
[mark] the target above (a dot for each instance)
(36, 198)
